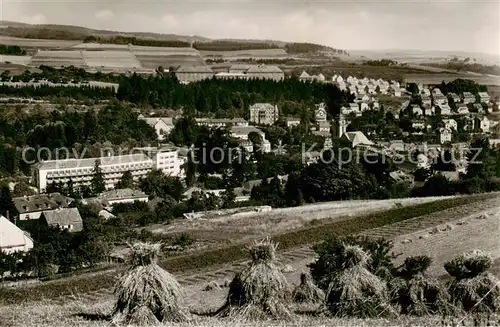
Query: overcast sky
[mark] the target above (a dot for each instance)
(457, 25)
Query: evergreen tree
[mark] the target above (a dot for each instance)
(97, 184)
(7, 207)
(126, 181)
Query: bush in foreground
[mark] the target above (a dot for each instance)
(146, 293)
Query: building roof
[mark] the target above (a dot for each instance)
(260, 106)
(10, 234)
(41, 202)
(264, 69)
(90, 162)
(304, 74)
(152, 121)
(64, 217)
(194, 69)
(357, 138)
(121, 194)
(220, 120)
(245, 130)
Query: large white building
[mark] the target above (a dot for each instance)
(220, 122)
(80, 171)
(264, 113)
(167, 160)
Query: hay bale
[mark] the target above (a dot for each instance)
(406, 241)
(415, 293)
(307, 291)
(473, 288)
(423, 237)
(354, 291)
(483, 216)
(260, 291)
(435, 230)
(146, 293)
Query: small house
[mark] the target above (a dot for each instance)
(66, 218)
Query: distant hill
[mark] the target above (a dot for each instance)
(84, 34)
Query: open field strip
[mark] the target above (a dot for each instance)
(197, 265)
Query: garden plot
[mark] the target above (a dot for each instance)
(478, 231)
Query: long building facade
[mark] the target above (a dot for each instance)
(80, 171)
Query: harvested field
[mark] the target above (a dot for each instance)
(252, 225)
(110, 59)
(153, 61)
(443, 242)
(231, 256)
(18, 60)
(38, 43)
(247, 54)
(58, 58)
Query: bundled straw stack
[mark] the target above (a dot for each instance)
(260, 291)
(146, 293)
(307, 292)
(354, 291)
(474, 289)
(416, 293)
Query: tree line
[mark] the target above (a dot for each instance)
(13, 50)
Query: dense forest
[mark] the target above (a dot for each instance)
(227, 97)
(135, 41)
(43, 33)
(12, 50)
(460, 85)
(302, 48)
(468, 66)
(226, 45)
(382, 62)
(63, 75)
(75, 92)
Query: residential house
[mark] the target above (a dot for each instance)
(67, 218)
(429, 110)
(357, 139)
(353, 108)
(440, 99)
(436, 91)
(371, 89)
(483, 123)
(162, 125)
(444, 135)
(264, 113)
(426, 101)
(375, 105)
(445, 110)
(304, 77)
(450, 124)
(468, 97)
(364, 106)
(416, 110)
(31, 207)
(454, 96)
(484, 97)
(12, 238)
(361, 90)
(339, 126)
(311, 157)
(292, 122)
(425, 92)
(462, 109)
(353, 90)
(395, 91)
(323, 126)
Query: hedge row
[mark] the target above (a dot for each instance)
(202, 260)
